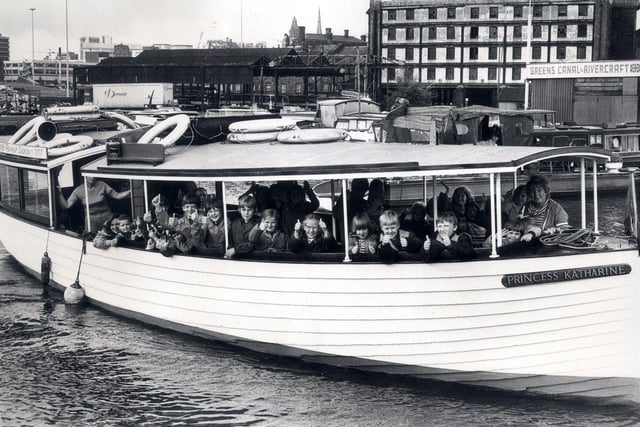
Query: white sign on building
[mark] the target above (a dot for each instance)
(573, 70)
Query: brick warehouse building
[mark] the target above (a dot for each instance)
(476, 52)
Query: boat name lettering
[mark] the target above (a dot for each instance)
(110, 93)
(24, 151)
(538, 277)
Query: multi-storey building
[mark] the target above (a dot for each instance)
(476, 52)
(93, 49)
(48, 72)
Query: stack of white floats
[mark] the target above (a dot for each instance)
(265, 130)
(281, 130)
(39, 132)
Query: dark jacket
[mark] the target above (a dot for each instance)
(461, 248)
(389, 252)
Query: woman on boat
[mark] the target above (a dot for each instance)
(98, 192)
(543, 215)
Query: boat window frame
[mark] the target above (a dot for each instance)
(495, 183)
(21, 208)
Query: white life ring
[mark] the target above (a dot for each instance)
(67, 145)
(40, 142)
(180, 123)
(27, 132)
(121, 118)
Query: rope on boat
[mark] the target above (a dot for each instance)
(573, 238)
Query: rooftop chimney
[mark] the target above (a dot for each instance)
(329, 35)
(363, 38)
(346, 33)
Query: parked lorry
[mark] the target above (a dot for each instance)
(132, 95)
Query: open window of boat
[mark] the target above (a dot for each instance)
(492, 170)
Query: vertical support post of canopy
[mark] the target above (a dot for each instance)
(131, 199)
(333, 198)
(595, 197)
(345, 220)
(435, 199)
(86, 205)
(224, 214)
(498, 210)
(146, 196)
(634, 207)
(583, 194)
(492, 194)
(515, 179)
(424, 190)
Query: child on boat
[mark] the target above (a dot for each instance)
(363, 239)
(447, 244)
(241, 227)
(297, 207)
(127, 235)
(356, 203)
(472, 223)
(188, 228)
(513, 210)
(415, 219)
(375, 200)
(160, 214)
(312, 236)
(267, 236)
(393, 240)
(213, 226)
(106, 236)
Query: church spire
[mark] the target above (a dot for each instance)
(293, 32)
(319, 29)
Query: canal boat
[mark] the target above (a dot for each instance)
(560, 321)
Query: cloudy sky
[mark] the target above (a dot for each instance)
(169, 21)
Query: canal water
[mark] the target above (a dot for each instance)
(71, 366)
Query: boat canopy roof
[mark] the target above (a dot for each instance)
(474, 111)
(334, 160)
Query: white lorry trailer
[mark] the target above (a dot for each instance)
(132, 95)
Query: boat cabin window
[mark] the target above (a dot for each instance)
(623, 142)
(241, 220)
(25, 192)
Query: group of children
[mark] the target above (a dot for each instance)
(279, 218)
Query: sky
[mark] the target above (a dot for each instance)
(188, 22)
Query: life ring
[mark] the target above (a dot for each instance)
(27, 132)
(121, 118)
(67, 145)
(40, 142)
(180, 123)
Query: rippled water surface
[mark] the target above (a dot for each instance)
(63, 365)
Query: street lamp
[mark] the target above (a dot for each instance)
(66, 25)
(33, 50)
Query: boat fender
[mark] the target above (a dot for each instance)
(45, 269)
(74, 294)
(179, 123)
(47, 130)
(67, 145)
(121, 118)
(27, 132)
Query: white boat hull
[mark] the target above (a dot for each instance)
(446, 321)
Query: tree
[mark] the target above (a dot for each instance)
(418, 94)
